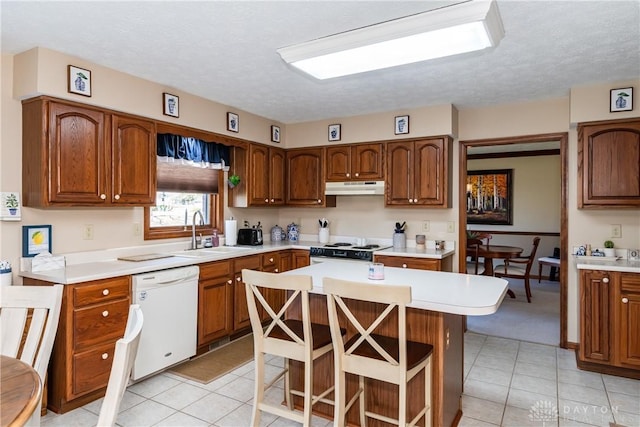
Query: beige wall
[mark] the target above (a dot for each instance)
(42, 71)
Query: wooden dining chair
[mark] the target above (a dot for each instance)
(519, 268)
(474, 265)
(29, 318)
(123, 358)
(289, 338)
(367, 354)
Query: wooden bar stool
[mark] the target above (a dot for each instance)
(367, 354)
(291, 339)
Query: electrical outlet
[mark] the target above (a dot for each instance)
(425, 225)
(137, 229)
(616, 230)
(451, 227)
(87, 232)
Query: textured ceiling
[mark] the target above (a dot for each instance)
(226, 51)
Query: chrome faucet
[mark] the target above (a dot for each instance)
(194, 243)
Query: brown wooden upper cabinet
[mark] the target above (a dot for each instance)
(609, 164)
(418, 173)
(73, 155)
(305, 177)
(266, 175)
(357, 162)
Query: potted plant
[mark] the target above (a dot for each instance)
(233, 180)
(11, 202)
(608, 248)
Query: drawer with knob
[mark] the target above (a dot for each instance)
(271, 262)
(101, 291)
(99, 324)
(90, 370)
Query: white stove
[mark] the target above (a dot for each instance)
(344, 251)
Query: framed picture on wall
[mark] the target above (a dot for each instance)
(78, 80)
(621, 99)
(170, 106)
(334, 132)
(35, 239)
(401, 125)
(275, 133)
(490, 197)
(233, 122)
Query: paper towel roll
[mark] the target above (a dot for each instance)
(230, 232)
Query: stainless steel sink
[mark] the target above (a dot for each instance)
(207, 252)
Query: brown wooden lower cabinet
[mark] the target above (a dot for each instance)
(415, 262)
(610, 322)
(443, 331)
(92, 318)
(215, 302)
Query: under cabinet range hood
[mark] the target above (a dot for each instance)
(354, 188)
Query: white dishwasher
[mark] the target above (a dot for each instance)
(169, 303)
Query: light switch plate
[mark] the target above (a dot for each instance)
(634, 254)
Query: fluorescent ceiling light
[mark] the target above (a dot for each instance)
(452, 30)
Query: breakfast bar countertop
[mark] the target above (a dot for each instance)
(443, 292)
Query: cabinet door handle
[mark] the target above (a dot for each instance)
(410, 200)
(103, 196)
(404, 265)
(605, 280)
(105, 313)
(319, 201)
(348, 175)
(415, 200)
(105, 356)
(272, 200)
(276, 270)
(117, 197)
(357, 174)
(270, 259)
(229, 281)
(266, 200)
(238, 279)
(105, 292)
(625, 300)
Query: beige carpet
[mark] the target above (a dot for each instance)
(217, 362)
(538, 322)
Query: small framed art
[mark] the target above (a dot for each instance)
(35, 239)
(233, 122)
(78, 80)
(275, 133)
(621, 99)
(401, 125)
(334, 133)
(170, 105)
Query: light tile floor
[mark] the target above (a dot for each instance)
(506, 383)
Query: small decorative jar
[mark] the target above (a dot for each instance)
(399, 241)
(292, 232)
(277, 233)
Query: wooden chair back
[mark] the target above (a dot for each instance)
(278, 338)
(123, 359)
(381, 361)
(29, 318)
(472, 252)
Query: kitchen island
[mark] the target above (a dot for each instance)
(435, 316)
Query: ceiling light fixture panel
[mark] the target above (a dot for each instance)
(462, 28)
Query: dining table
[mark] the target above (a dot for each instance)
(20, 391)
(491, 252)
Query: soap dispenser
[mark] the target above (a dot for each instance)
(215, 238)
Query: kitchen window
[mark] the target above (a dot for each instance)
(188, 173)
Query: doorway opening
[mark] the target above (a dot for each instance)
(511, 144)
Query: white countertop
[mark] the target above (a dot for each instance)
(417, 253)
(87, 266)
(592, 263)
(431, 290)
